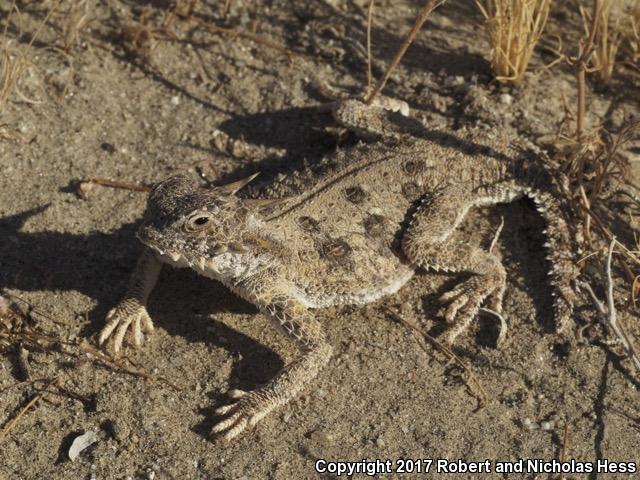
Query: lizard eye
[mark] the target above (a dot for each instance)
(197, 221)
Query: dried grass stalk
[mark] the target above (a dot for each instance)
(608, 37)
(631, 36)
(13, 65)
(514, 28)
(78, 18)
(13, 60)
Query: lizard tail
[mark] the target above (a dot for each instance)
(560, 245)
(559, 241)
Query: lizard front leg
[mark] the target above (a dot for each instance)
(300, 326)
(132, 309)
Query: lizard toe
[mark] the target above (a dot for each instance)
(130, 315)
(250, 408)
(466, 299)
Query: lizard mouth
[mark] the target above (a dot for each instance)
(200, 265)
(175, 257)
(171, 255)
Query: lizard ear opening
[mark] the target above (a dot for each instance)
(233, 187)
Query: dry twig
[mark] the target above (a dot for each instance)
(118, 184)
(420, 19)
(12, 423)
(369, 61)
(496, 235)
(471, 382)
(581, 62)
(608, 313)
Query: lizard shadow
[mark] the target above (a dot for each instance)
(185, 302)
(300, 133)
(98, 266)
(57, 261)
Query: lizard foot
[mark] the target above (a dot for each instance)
(129, 313)
(465, 300)
(249, 409)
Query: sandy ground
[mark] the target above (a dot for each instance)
(224, 106)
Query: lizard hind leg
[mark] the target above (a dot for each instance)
(429, 243)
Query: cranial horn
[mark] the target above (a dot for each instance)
(232, 188)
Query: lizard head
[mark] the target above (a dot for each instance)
(194, 226)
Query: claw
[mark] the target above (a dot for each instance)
(147, 324)
(112, 323)
(129, 314)
(120, 332)
(137, 332)
(225, 424)
(248, 410)
(236, 393)
(237, 430)
(466, 299)
(224, 409)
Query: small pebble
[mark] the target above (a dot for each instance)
(529, 425)
(506, 99)
(547, 425)
(80, 443)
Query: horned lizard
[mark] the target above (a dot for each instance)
(357, 235)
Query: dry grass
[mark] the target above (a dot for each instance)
(617, 36)
(13, 59)
(13, 66)
(592, 172)
(77, 19)
(514, 28)
(13, 63)
(592, 168)
(595, 171)
(630, 49)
